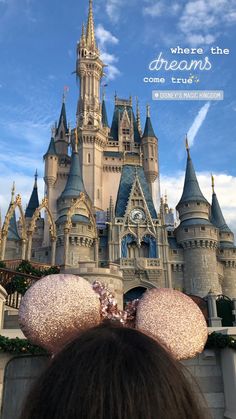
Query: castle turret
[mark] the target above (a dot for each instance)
(198, 237)
(34, 199)
(50, 178)
(150, 157)
(227, 249)
(76, 240)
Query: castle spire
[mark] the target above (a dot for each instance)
(104, 114)
(191, 191)
(13, 189)
(217, 218)
(34, 199)
(62, 124)
(187, 146)
(148, 130)
(90, 32)
(138, 119)
(74, 185)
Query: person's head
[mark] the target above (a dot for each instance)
(113, 372)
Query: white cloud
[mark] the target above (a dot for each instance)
(202, 20)
(113, 8)
(159, 8)
(105, 37)
(225, 186)
(197, 123)
(198, 22)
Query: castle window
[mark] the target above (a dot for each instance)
(186, 205)
(73, 225)
(89, 158)
(186, 230)
(203, 228)
(125, 131)
(33, 254)
(169, 233)
(198, 203)
(175, 252)
(46, 253)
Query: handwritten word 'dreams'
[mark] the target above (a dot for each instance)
(162, 64)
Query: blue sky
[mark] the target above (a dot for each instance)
(38, 54)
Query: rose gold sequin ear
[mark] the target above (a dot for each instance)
(56, 308)
(174, 319)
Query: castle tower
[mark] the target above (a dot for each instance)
(89, 69)
(197, 236)
(150, 158)
(93, 135)
(75, 242)
(227, 249)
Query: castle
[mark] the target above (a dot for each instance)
(102, 213)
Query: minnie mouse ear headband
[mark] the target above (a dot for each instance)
(56, 307)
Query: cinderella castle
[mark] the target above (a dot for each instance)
(102, 216)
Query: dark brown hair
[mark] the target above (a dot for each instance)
(113, 372)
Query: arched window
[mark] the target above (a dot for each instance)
(89, 158)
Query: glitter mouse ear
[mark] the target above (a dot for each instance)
(56, 308)
(172, 318)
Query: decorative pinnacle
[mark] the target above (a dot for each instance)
(90, 36)
(36, 178)
(76, 140)
(148, 111)
(213, 183)
(187, 145)
(13, 192)
(138, 116)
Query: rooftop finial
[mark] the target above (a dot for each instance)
(187, 145)
(13, 192)
(213, 183)
(148, 111)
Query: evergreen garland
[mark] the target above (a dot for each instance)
(19, 346)
(20, 284)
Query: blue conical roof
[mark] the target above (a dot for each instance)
(62, 119)
(104, 115)
(148, 130)
(217, 217)
(12, 230)
(192, 191)
(51, 149)
(33, 202)
(74, 184)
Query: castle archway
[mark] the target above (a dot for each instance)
(52, 229)
(134, 294)
(4, 233)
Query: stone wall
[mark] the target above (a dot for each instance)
(206, 373)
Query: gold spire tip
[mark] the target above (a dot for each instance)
(213, 183)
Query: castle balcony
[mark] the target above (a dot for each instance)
(141, 263)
